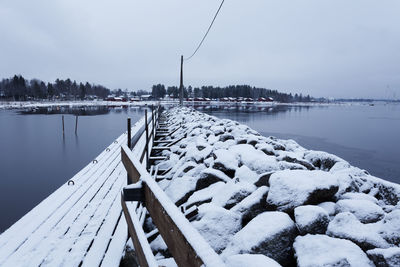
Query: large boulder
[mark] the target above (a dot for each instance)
(210, 176)
(217, 225)
(244, 174)
(329, 207)
(346, 225)
(225, 162)
(322, 160)
(359, 196)
(366, 211)
(390, 229)
(311, 219)
(322, 250)
(204, 195)
(180, 189)
(253, 260)
(232, 193)
(252, 205)
(387, 257)
(254, 159)
(292, 188)
(270, 233)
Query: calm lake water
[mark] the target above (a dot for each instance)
(366, 136)
(35, 158)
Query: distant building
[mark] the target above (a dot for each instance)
(145, 97)
(134, 99)
(265, 99)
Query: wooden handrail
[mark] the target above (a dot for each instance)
(184, 242)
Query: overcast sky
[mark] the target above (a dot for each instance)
(336, 48)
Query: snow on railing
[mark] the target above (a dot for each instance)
(184, 242)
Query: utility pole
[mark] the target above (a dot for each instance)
(181, 85)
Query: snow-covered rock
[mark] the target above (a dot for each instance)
(247, 187)
(205, 195)
(225, 162)
(311, 219)
(322, 160)
(263, 179)
(329, 207)
(290, 189)
(359, 196)
(250, 260)
(210, 176)
(180, 189)
(244, 174)
(270, 233)
(252, 205)
(390, 229)
(346, 225)
(366, 211)
(254, 159)
(217, 225)
(388, 257)
(322, 250)
(232, 193)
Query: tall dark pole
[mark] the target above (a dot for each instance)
(181, 86)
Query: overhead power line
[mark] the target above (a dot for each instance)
(208, 30)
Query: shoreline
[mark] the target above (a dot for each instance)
(42, 104)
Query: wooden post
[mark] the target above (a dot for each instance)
(152, 120)
(181, 85)
(63, 123)
(76, 124)
(147, 138)
(129, 134)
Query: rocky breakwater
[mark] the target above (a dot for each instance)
(268, 202)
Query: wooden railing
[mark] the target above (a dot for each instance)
(184, 242)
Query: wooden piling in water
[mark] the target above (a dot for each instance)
(76, 124)
(62, 118)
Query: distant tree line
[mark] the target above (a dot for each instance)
(18, 88)
(160, 91)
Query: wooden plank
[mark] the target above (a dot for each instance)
(158, 158)
(116, 245)
(161, 141)
(142, 247)
(184, 242)
(161, 148)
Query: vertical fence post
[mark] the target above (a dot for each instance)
(147, 138)
(152, 120)
(128, 180)
(129, 133)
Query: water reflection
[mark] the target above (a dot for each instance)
(237, 109)
(78, 110)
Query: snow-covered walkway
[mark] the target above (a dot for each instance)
(80, 223)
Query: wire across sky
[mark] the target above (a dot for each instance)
(208, 30)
